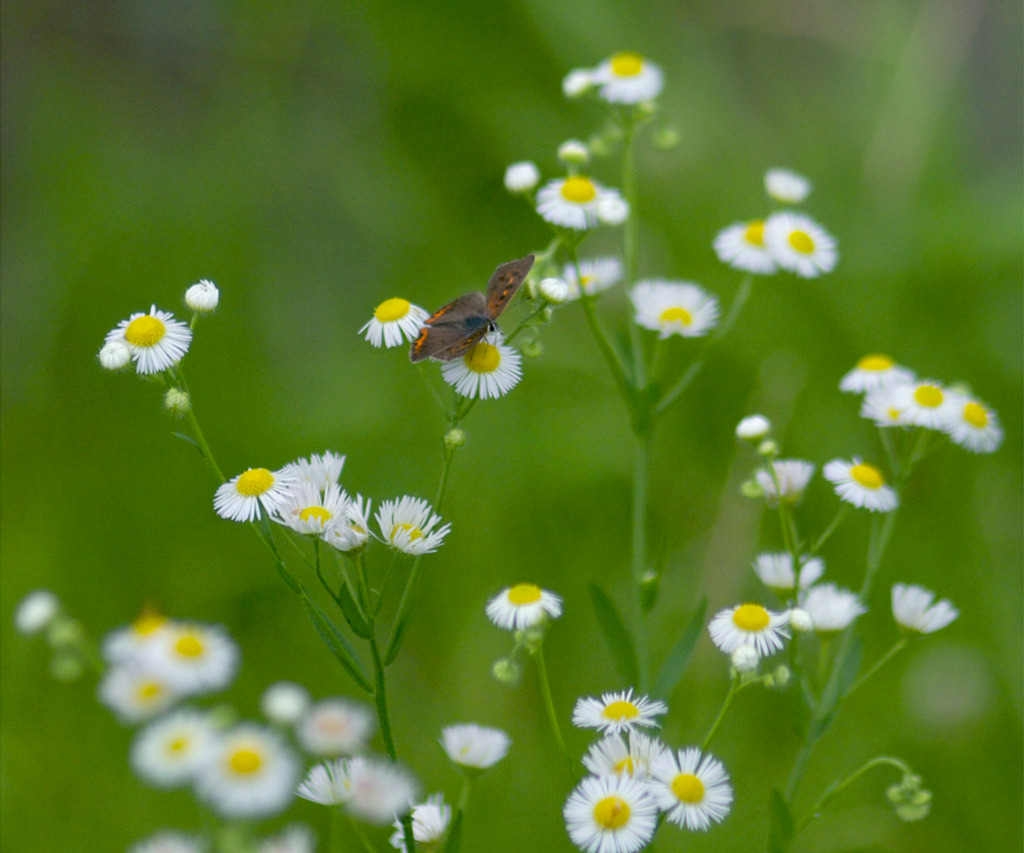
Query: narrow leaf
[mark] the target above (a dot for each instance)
(339, 646)
(780, 833)
(674, 667)
(620, 644)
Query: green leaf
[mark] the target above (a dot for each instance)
(674, 667)
(339, 646)
(620, 643)
(780, 833)
(350, 610)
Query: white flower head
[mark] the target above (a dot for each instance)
(157, 341)
(351, 531)
(395, 321)
(975, 426)
(115, 355)
(168, 841)
(616, 712)
(749, 625)
(284, 703)
(831, 607)
(572, 152)
(407, 524)
(577, 82)
(913, 609)
(745, 658)
(522, 177)
(202, 297)
(612, 209)
(800, 620)
(193, 658)
(860, 484)
(927, 404)
(326, 783)
(598, 274)
(692, 789)
(573, 202)
(488, 371)
(610, 814)
(789, 482)
(753, 428)
(333, 727)
(741, 246)
(786, 186)
(800, 245)
(294, 838)
(627, 78)
(125, 645)
(631, 756)
(553, 290)
(884, 406)
(36, 611)
(776, 570)
(311, 511)
(319, 470)
(246, 496)
(473, 746)
(429, 824)
(674, 308)
(135, 693)
(169, 751)
(379, 791)
(523, 606)
(873, 372)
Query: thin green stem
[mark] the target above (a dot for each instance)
(641, 488)
(897, 647)
(549, 705)
(204, 447)
(734, 688)
(835, 787)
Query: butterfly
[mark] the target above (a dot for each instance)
(459, 326)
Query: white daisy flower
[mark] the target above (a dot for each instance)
(335, 727)
(168, 841)
(126, 644)
(692, 790)
(319, 470)
(241, 498)
(741, 246)
(860, 484)
(786, 186)
(749, 625)
(674, 308)
(135, 694)
(576, 82)
(873, 372)
(612, 209)
(169, 752)
(522, 177)
(202, 297)
(294, 838)
(598, 274)
(193, 658)
(627, 78)
(753, 428)
(395, 321)
(553, 290)
(429, 824)
(799, 244)
(284, 703)
(884, 407)
(251, 772)
(157, 341)
(473, 746)
(36, 611)
(975, 426)
(353, 529)
(488, 371)
(745, 659)
(407, 524)
(800, 620)
(616, 712)
(523, 606)
(831, 607)
(617, 756)
(115, 355)
(572, 202)
(310, 511)
(776, 570)
(326, 783)
(379, 791)
(927, 404)
(913, 609)
(610, 814)
(790, 480)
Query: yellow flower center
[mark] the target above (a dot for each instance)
(316, 513)
(688, 788)
(578, 190)
(928, 396)
(624, 766)
(975, 415)
(179, 744)
(413, 531)
(147, 623)
(867, 475)
(392, 309)
(189, 646)
(612, 813)
(801, 242)
(254, 482)
(245, 761)
(627, 64)
(483, 358)
(149, 691)
(751, 617)
(145, 331)
(875, 362)
(755, 233)
(676, 315)
(524, 593)
(621, 711)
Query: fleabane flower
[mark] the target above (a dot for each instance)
(284, 703)
(875, 371)
(927, 404)
(310, 511)
(135, 693)
(333, 727)
(616, 712)
(776, 570)
(832, 608)
(598, 274)
(169, 751)
(741, 246)
(156, 340)
(753, 428)
(749, 625)
(975, 426)
(617, 755)
(912, 608)
(115, 355)
(576, 82)
(884, 406)
(488, 371)
(573, 202)
(789, 482)
(429, 824)
(319, 469)
(125, 644)
(627, 78)
(294, 838)
(36, 611)
(860, 484)
(523, 606)
(395, 321)
(246, 496)
(786, 186)
(352, 529)
(799, 244)
(407, 524)
(610, 814)
(193, 658)
(202, 297)
(522, 177)
(692, 789)
(474, 747)
(674, 308)
(378, 790)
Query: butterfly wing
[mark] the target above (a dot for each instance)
(450, 331)
(504, 283)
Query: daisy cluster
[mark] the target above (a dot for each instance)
(636, 780)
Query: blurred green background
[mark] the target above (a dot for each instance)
(315, 158)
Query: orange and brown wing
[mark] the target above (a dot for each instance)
(450, 331)
(504, 283)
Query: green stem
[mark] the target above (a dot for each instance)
(204, 447)
(641, 487)
(835, 787)
(549, 704)
(897, 647)
(734, 688)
